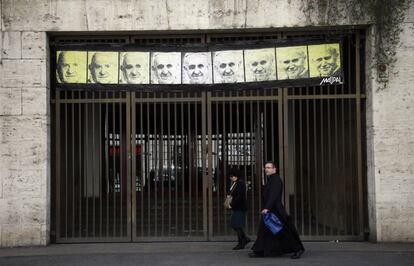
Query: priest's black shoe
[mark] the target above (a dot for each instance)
(297, 255)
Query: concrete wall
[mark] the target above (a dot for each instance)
(24, 99)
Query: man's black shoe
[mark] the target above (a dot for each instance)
(255, 255)
(297, 255)
(245, 242)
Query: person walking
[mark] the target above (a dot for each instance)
(285, 241)
(239, 207)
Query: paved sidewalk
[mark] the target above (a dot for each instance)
(205, 253)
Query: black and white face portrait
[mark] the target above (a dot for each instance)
(103, 67)
(197, 68)
(165, 68)
(260, 64)
(228, 66)
(134, 68)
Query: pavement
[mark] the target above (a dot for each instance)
(205, 253)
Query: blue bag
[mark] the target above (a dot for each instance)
(272, 222)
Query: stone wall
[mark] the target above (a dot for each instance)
(390, 142)
(24, 139)
(24, 99)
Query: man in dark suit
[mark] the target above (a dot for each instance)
(285, 241)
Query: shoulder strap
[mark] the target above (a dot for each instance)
(231, 191)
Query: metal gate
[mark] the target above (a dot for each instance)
(186, 143)
(144, 166)
(244, 130)
(168, 196)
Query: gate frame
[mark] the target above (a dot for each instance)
(359, 96)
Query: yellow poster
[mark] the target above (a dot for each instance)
(71, 67)
(324, 60)
(292, 62)
(103, 67)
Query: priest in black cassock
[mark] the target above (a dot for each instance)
(285, 241)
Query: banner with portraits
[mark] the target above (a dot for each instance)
(317, 64)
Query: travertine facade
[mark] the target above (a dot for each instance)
(25, 115)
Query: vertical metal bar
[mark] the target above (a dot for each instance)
(308, 166)
(350, 162)
(265, 138)
(209, 150)
(158, 169)
(358, 130)
(196, 115)
(349, 66)
(100, 167)
(218, 171)
(296, 174)
(329, 151)
(143, 155)
(150, 165)
(225, 154)
(130, 162)
(114, 146)
(66, 166)
(203, 165)
(343, 166)
(246, 150)
(231, 135)
(73, 170)
(350, 146)
(272, 130)
(80, 166)
(337, 164)
(161, 145)
(107, 147)
(283, 129)
(315, 164)
(176, 160)
(302, 203)
(323, 170)
(121, 168)
(189, 163)
(259, 150)
(138, 166)
(93, 169)
(87, 168)
(237, 134)
(232, 141)
(170, 165)
(133, 163)
(253, 139)
(58, 174)
(182, 144)
(338, 208)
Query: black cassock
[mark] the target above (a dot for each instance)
(287, 240)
